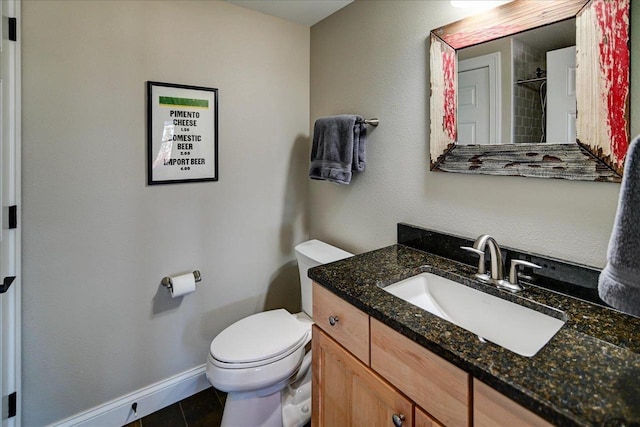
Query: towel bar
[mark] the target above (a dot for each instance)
(372, 122)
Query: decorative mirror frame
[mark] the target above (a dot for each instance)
(602, 93)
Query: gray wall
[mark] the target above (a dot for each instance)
(371, 58)
(97, 241)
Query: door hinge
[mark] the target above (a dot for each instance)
(13, 29)
(12, 405)
(13, 217)
(6, 284)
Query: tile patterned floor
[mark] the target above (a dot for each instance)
(203, 409)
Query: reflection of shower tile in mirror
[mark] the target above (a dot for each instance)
(528, 111)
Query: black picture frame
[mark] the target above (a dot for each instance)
(182, 133)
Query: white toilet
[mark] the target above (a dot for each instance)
(263, 361)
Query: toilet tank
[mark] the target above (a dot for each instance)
(310, 254)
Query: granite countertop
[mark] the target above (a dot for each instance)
(588, 374)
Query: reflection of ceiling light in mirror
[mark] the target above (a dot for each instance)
(478, 4)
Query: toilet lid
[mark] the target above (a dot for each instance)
(258, 337)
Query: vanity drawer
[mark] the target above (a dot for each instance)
(342, 321)
(440, 388)
(491, 408)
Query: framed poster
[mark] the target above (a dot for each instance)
(182, 133)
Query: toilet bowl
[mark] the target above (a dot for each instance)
(263, 362)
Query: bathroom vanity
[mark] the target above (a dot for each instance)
(379, 360)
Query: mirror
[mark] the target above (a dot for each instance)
(510, 89)
(568, 103)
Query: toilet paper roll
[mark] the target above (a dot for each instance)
(182, 285)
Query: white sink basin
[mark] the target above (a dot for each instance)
(512, 326)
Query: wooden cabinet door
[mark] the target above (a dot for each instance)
(346, 393)
(493, 409)
(433, 383)
(422, 419)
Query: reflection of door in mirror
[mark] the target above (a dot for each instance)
(561, 101)
(521, 96)
(478, 99)
(496, 55)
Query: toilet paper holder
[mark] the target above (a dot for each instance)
(166, 281)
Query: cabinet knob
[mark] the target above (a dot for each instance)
(333, 320)
(397, 419)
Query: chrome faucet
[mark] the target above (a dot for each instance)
(497, 266)
(497, 270)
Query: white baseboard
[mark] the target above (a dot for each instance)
(118, 412)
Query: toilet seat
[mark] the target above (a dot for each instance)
(258, 340)
(258, 363)
(258, 353)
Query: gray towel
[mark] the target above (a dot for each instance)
(619, 282)
(338, 148)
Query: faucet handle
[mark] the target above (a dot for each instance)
(481, 267)
(473, 250)
(513, 272)
(482, 272)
